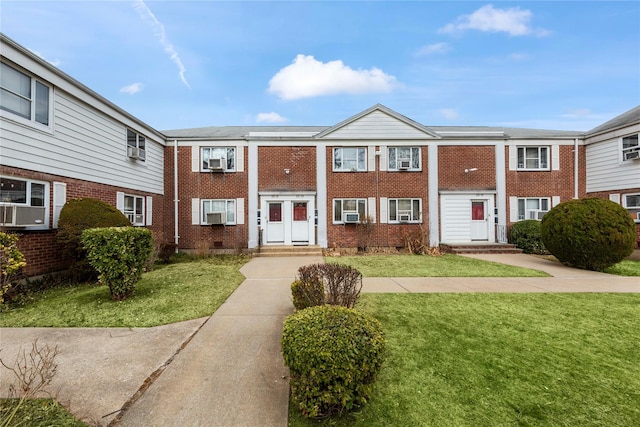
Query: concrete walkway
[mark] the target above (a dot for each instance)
(227, 369)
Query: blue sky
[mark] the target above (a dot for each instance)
(179, 64)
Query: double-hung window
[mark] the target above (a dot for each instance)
(631, 201)
(630, 147)
(349, 159)
(532, 208)
(218, 158)
(404, 158)
(349, 210)
(134, 209)
(23, 202)
(24, 95)
(533, 158)
(226, 208)
(136, 145)
(404, 210)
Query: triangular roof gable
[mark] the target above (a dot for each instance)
(378, 122)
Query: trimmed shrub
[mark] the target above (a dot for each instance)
(76, 216)
(526, 236)
(334, 355)
(11, 262)
(342, 284)
(307, 294)
(119, 254)
(591, 233)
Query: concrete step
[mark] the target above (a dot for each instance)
(480, 248)
(283, 251)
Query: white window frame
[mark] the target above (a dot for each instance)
(360, 208)
(415, 157)
(525, 150)
(227, 153)
(137, 140)
(230, 210)
(137, 212)
(625, 201)
(359, 152)
(524, 211)
(35, 85)
(415, 217)
(629, 140)
(46, 188)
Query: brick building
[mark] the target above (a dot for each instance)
(236, 188)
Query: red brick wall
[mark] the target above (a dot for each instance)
(453, 160)
(40, 247)
(203, 185)
(361, 185)
(300, 161)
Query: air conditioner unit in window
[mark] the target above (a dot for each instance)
(136, 153)
(216, 218)
(216, 164)
(351, 218)
(404, 164)
(632, 155)
(22, 216)
(7, 215)
(535, 214)
(404, 217)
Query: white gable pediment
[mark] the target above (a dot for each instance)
(378, 122)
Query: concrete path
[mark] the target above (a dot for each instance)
(227, 369)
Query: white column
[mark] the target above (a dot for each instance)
(252, 173)
(321, 193)
(501, 186)
(434, 210)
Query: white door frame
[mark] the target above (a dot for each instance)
(288, 199)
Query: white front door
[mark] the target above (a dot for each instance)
(300, 223)
(479, 220)
(275, 223)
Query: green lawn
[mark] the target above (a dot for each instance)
(426, 266)
(625, 268)
(503, 359)
(170, 293)
(36, 413)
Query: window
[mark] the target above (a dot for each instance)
(532, 208)
(631, 201)
(349, 159)
(226, 207)
(134, 209)
(404, 158)
(226, 154)
(136, 145)
(23, 95)
(630, 147)
(404, 210)
(349, 210)
(533, 158)
(23, 202)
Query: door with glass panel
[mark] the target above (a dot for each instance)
(275, 223)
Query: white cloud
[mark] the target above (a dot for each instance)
(270, 118)
(433, 48)
(158, 30)
(55, 62)
(449, 113)
(513, 21)
(132, 89)
(307, 77)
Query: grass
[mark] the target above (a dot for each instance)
(36, 413)
(426, 266)
(503, 359)
(625, 268)
(170, 293)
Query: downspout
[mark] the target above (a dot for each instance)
(575, 169)
(175, 193)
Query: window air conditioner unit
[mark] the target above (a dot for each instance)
(536, 214)
(216, 218)
(216, 164)
(404, 217)
(351, 218)
(136, 153)
(404, 164)
(22, 216)
(632, 155)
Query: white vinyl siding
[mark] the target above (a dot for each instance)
(377, 125)
(605, 169)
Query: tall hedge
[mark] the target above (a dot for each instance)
(589, 233)
(82, 214)
(526, 235)
(11, 262)
(119, 254)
